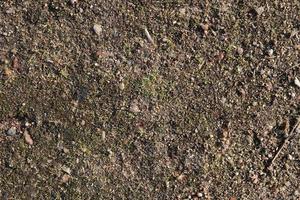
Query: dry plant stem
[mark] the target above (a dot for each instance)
(149, 36)
(286, 140)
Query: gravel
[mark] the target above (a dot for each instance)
(12, 131)
(97, 29)
(297, 82)
(28, 138)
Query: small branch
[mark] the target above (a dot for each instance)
(293, 132)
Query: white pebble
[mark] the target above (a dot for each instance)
(73, 2)
(122, 86)
(97, 28)
(12, 131)
(290, 157)
(297, 82)
(66, 169)
(270, 52)
(200, 194)
(240, 50)
(134, 108)
(260, 10)
(103, 135)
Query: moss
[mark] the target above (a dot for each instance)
(154, 86)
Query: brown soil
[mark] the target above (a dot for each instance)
(165, 100)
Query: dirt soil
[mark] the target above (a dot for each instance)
(145, 99)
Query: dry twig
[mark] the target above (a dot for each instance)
(292, 133)
(149, 36)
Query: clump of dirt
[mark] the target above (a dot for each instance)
(149, 99)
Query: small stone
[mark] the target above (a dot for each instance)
(260, 10)
(297, 193)
(282, 189)
(65, 178)
(270, 52)
(66, 169)
(181, 177)
(65, 150)
(28, 138)
(122, 86)
(293, 95)
(12, 131)
(290, 157)
(10, 11)
(97, 29)
(134, 108)
(199, 194)
(182, 11)
(103, 135)
(73, 2)
(293, 33)
(269, 86)
(167, 184)
(240, 50)
(297, 82)
(223, 100)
